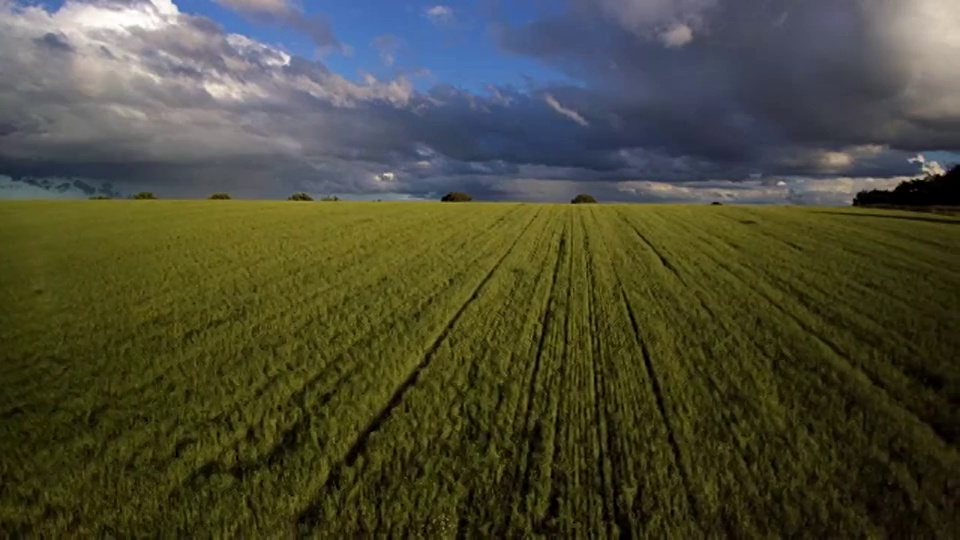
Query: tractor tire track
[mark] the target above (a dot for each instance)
(155, 322)
(363, 339)
(307, 518)
(713, 317)
(371, 253)
(297, 397)
(305, 324)
(661, 406)
(294, 435)
(238, 316)
(669, 266)
(847, 371)
(291, 438)
(849, 281)
(942, 432)
(867, 325)
(606, 438)
(475, 507)
(663, 260)
(546, 523)
(523, 467)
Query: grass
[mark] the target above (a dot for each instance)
(496, 370)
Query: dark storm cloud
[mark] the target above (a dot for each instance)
(811, 73)
(690, 92)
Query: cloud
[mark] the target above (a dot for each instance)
(285, 13)
(670, 21)
(144, 96)
(52, 188)
(929, 168)
(439, 14)
(273, 7)
(677, 35)
(822, 192)
(569, 113)
(835, 191)
(826, 161)
(168, 97)
(834, 75)
(55, 41)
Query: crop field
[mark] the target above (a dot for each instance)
(231, 368)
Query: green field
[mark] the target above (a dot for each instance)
(497, 370)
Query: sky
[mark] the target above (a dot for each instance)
(748, 101)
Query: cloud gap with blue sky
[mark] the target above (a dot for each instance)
(793, 102)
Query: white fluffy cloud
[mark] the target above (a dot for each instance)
(928, 167)
(83, 18)
(176, 88)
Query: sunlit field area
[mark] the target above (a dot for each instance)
(345, 369)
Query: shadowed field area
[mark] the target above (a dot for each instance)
(492, 370)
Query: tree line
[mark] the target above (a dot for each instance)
(220, 196)
(459, 196)
(453, 196)
(934, 190)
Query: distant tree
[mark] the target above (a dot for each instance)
(583, 198)
(873, 196)
(934, 190)
(100, 197)
(716, 203)
(456, 196)
(145, 195)
(331, 198)
(220, 196)
(300, 196)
